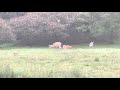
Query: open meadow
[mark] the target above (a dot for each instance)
(60, 44)
(101, 61)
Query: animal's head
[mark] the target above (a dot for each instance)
(50, 46)
(63, 45)
(92, 42)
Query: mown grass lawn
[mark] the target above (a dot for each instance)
(102, 61)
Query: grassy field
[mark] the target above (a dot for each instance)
(102, 61)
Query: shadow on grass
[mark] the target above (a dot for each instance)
(9, 73)
(66, 74)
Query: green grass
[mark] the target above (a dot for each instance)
(102, 61)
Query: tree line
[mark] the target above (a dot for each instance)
(43, 28)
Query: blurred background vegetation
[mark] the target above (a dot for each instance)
(43, 28)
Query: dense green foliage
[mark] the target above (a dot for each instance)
(43, 28)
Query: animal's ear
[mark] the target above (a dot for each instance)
(49, 46)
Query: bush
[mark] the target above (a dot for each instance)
(6, 34)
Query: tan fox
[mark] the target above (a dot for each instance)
(67, 46)
(15, 53)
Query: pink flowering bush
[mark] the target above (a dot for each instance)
(34, 27)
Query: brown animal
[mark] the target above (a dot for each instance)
(56, 45)
(15, 53)
(67, 47)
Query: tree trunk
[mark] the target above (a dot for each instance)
(111, 37)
